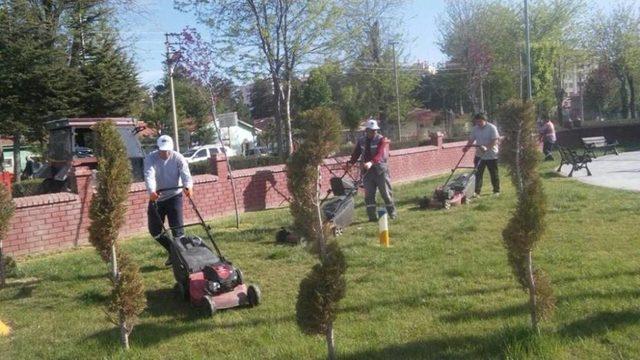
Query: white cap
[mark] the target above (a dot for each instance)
(372, 124)
(165, 143)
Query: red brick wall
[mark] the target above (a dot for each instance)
(57, 221)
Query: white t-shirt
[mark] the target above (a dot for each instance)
(484, 136)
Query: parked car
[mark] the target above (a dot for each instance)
(257, 152)
(200, 153)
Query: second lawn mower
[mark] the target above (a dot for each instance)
(454, 191)
(204, 277)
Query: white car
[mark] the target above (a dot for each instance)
(200, 153)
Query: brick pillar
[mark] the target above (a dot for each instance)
(437, 138)
(219, 166)
(82, 184)
(5, 178)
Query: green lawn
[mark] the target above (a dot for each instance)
(443, 290)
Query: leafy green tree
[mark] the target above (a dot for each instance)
(107, 212)
(372, 73)
(601, 97)
(6, 212)
(315, 91)
(261, 99)
(613, 39)
(526, 227)
(351, 112)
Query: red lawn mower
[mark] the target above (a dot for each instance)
(204, 277)
(453, 192)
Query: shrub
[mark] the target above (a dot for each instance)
(26, 188)
(6, 212)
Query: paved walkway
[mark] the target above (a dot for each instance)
(620, 172)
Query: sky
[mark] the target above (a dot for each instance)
(144, 35)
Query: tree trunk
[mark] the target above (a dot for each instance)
(124, 334)
(532, 294)
(559, 94)
(17, 162)
(632, 93)
(277, 113)
(331, 346)
(287, 116)
(2, 276)
(624, 99)
(322, 245)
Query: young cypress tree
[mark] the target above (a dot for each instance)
(526, 227)
(322, 289)
(107, 212)
(6, 212)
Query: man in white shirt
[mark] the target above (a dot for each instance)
(486, 137)
(163, 169)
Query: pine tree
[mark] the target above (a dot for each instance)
(36, 85)
(526, 227)
(6, 212)
(108, 209)
(110, 84)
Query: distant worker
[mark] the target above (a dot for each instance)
(373, 151)
(486, 137)
(548, 136)
(165, 169)
(29, 169)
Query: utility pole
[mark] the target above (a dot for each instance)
(171, 66)
(581, 84)
(481, 96)
(395, 75)
(528, 50)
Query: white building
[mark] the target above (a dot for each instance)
(238, 135)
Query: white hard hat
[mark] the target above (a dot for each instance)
(165, 143)
(372, 125)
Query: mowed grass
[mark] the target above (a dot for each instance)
(443, 290)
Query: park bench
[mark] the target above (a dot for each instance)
(598, 142)
(577, 162)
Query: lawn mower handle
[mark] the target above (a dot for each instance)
(206, 227)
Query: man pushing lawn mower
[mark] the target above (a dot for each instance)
(163, 169)
(486, 137)
(373, 150)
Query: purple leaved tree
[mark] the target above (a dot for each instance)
(196, 57)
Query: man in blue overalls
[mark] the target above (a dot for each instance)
(373, 151)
